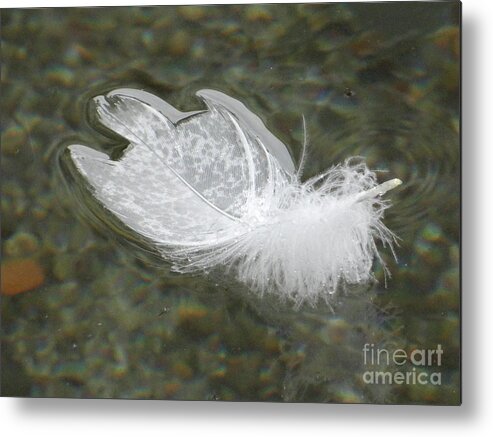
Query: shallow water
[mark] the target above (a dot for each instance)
(375, 80)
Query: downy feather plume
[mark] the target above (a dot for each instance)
(214, 188)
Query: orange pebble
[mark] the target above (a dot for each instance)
(171, 388)
(448, 38)
(20, 275)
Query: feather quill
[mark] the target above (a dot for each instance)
(215, 188)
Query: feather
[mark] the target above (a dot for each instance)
(215, 188)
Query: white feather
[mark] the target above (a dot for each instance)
(216, 189)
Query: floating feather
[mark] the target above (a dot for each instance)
(214, 188)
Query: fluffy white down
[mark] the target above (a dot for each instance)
(215, 189)
(308, 239)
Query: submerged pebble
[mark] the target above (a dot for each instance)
(20, 275)
(21, 244)
(13, 139)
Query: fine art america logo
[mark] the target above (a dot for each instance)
(401, 367)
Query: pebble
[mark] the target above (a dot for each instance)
(20, 275)
(12, 140)
(258, 13)
(192, 13)
(21, 244)
(179, 44)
